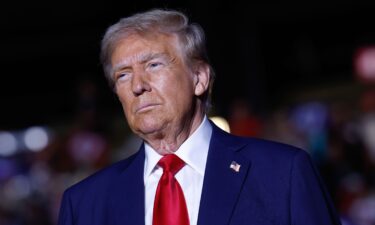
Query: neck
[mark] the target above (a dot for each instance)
(171, 138)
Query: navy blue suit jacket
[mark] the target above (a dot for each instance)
(276, 184)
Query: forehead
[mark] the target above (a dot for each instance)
(137, 46)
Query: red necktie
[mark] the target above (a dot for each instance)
(170, 207)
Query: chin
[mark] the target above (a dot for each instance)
(149, 128)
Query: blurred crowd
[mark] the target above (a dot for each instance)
(340, 136)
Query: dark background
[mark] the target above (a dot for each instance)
(266, 53)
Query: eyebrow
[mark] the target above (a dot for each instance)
(141, 58)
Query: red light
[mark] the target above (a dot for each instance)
(364, 64)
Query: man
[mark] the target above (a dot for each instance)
(157, 64)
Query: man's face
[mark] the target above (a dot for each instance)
(154, 84)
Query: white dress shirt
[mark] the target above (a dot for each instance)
(194, 153)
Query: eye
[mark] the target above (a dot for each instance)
(155, 65)
(121, 76)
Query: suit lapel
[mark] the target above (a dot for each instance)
(222, 185)
(128, 195)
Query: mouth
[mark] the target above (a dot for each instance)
(146, 107)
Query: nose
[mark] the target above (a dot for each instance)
(140, 83)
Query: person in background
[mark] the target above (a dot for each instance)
(187, 170)
(242, 121)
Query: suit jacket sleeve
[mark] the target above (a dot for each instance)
(66, 213)
(310, 202)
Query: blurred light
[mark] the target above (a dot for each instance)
(86, 147)
(368, 134)
(8, 144)
(221, 122)
(36, 138)
(7, 169)
(364, 63)
(310, 117)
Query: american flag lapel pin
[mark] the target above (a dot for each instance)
(235, 166)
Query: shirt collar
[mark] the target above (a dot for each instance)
(193, 151)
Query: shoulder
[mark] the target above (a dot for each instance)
(265, 154)
(102, 179)
(255, 147)
(271, 153)
(260, 147)
(272, 162)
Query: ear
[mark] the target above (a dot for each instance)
(201, 78)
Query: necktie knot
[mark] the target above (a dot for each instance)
(171, 163)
